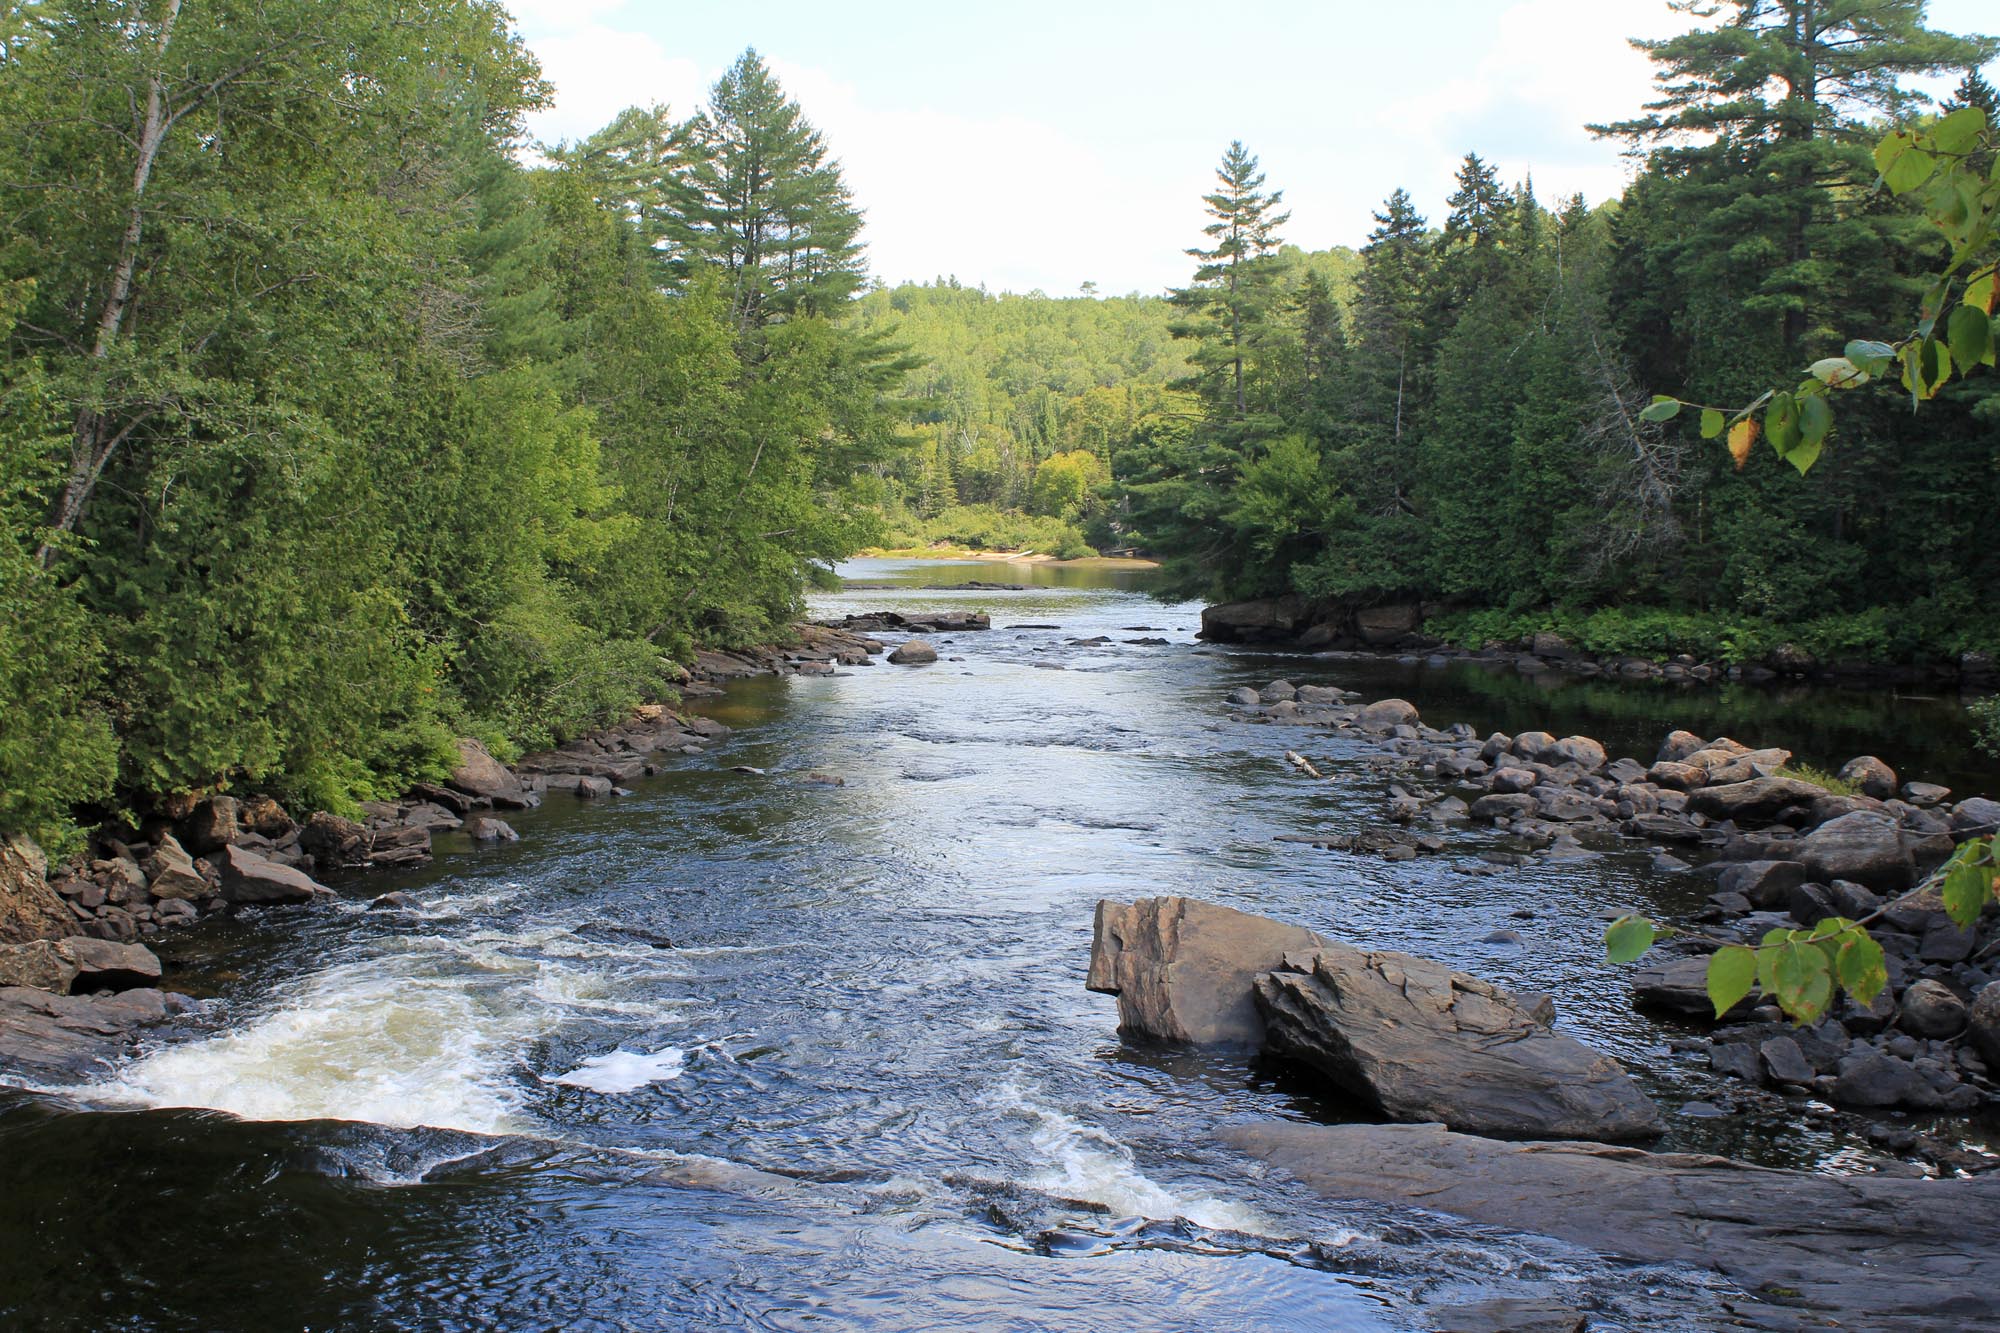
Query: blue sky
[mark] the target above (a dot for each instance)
(1041, 145)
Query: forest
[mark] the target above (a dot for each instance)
(1455, 416)
(338, 419)
(331, 428)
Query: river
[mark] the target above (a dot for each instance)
(550, 1098)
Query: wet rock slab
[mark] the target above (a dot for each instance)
(1816, 1251)
(47, 1038)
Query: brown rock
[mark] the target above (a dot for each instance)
(29, 908)
(1870, 776)
(43, 964)
(212, 826)
(174, 874)
(1759, 798)
(250, 878)
(335, 843)
(1184, 971)
(1386, 715)
(480, 774)
(265, 817)
(103, 965)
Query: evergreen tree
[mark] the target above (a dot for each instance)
(763, 200)
(1231, 301)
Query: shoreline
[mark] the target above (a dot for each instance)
(1021, 557)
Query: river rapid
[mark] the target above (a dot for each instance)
(748, 1052)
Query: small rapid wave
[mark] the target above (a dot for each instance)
(625, 1071)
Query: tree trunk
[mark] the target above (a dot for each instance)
(93, 445)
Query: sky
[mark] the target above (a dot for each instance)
(1036, 145)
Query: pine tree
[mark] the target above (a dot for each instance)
(762, 200)
(1232, 296)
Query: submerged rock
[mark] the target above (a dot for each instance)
(1868, 1251)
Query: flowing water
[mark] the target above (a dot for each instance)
(747, 1052)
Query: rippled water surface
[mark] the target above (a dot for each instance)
(744, 1052)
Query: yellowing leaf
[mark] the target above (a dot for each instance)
(1742, 435)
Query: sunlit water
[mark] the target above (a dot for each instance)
(874, 991)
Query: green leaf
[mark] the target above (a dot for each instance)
(1983, 292)
(1628, 937)
(1873, 357)
(1804, 981)
(1731, 972)
(1958, 133)
(1815, 420)
(1903, 165)
(1781, 423)
(1837, 372)
(1860, 967)
(1969, 334)
(1712, 422)
(1662, 409)
(1967, 886)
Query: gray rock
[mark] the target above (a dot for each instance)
(395, 901)
(485, 828)
(1923, 795)
(1785, 1062)
(1975, 818)
(1509, 1314)
(1759, 798)
(1582, 751)
(250, 878)
(1766, 884)
(1875, 1079)
(1866, 847)
(1870, 776)
(1679, 745)
(1506, 780)
(1680, 984)
(1278, 691)
(590, 788)
(102, 965)
(1425, 1043)
(1929, 1009)
(1737, 1059)
(1866, 1251)
(1245, 696)
(913, 652)
(1982, 1028)
(1531, 744)
(335, 843)
(1386, 715)
(1514, 805)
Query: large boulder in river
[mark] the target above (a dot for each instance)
(1867, 847)
(1184, 971)
(1424, 1043)
(1759, 798)
(29, 908)
(1678, 746)
(1266, 620)
(250, 878)
(480, 774)
(1582, 751)
(1975, 818)
(914, 652)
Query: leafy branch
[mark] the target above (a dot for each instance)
(1963, 201)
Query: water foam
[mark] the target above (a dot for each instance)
(1089, 1165)
(625, 1071)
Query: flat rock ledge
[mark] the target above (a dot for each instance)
(1407, 1036)
(1815, 1251)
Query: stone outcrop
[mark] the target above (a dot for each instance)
(1862, 1251)
(47, 1038)
(1185, 971)
(29, 908)
(1421, 1042)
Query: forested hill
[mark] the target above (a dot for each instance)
(1020, 406)
(1475, 434)
(330, 430)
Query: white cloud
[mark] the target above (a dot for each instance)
(599, 69)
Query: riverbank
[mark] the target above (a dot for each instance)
(80, 984)
(947, 551)
(1639, 644)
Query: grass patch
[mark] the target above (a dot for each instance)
(1819, 778)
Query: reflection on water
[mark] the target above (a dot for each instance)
(873, 992)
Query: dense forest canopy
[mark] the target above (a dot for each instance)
(337, 419)
(331, 430)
